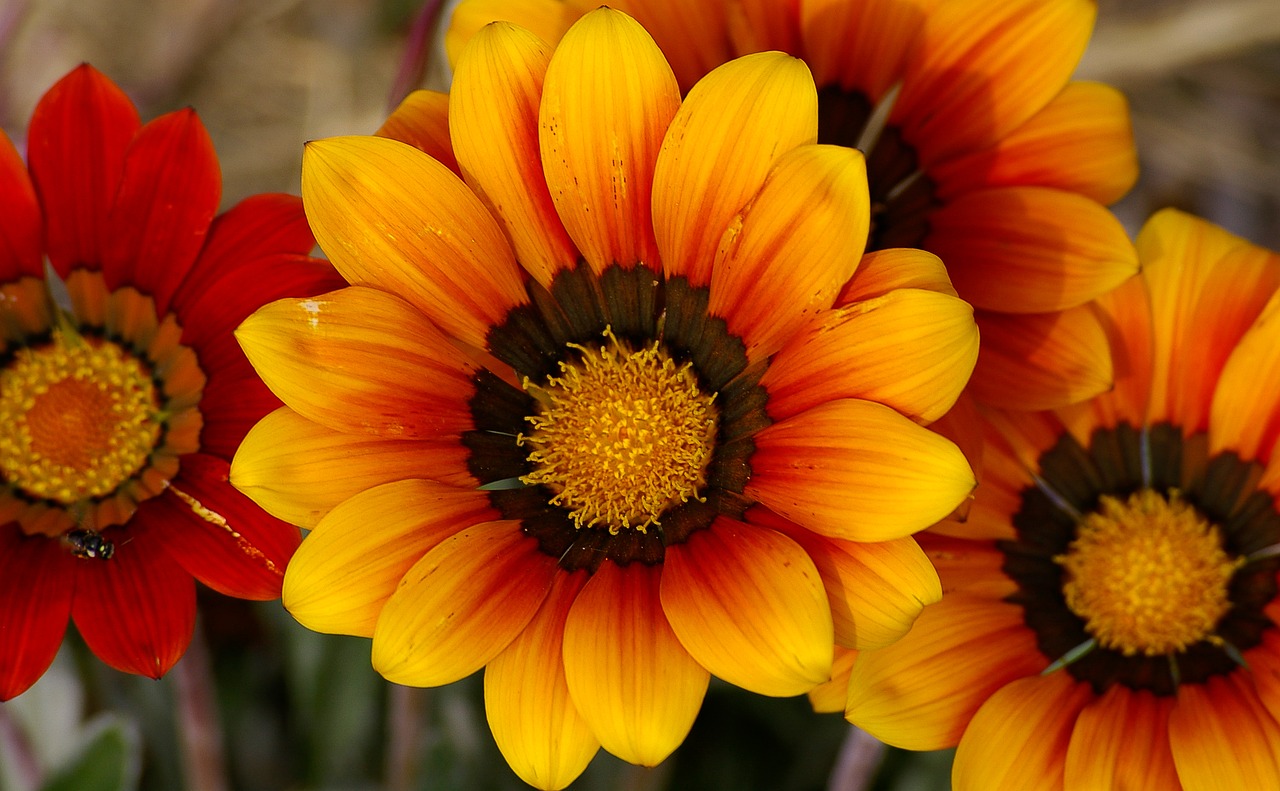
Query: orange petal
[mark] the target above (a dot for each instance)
(389, 216)
(1245, 413)
(1222, 736)
(1041, 360)
(609, 98)
(526, 699)
(762, 25)
(1121, 740)
(1125, 314)
(721, 145)
(829, 696)
(361, 360)
(494, 118)
(857, 470)
(920, 692)
(964, 565)
(694, 36)
(548, 19)
(349, 566)
(861, 46)
(749, 605)
(298, 470)
(911, 349)
(1030, 249)
(461, 605)
(1082, 141)
(882, 271)
(973, 78)
(635, 685)
(422, 121)
(1018, 739)
(788, 253)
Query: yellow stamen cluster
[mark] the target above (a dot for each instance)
(78, 417)
(1148, 575)
(622, 436)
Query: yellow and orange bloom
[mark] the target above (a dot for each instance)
(1111, 603)
(614, 401)
(979, 149)
(122, 392)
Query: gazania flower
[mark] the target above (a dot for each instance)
(122, 391)
(978, 149)
(1111, 603)
(623, 407)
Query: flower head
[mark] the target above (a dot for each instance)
(623, 406)
(1111, 602)
(979, 149)
(122, 392)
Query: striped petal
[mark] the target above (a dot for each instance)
(788, 253)
(829, 696)
(694, 36)
(860, 46)
(857, 470)
(494, 119)
(721, 145)
(912, 350)
(761, 25)
(548, 19)
(361, 360)
(389, 216)
(36, 580)
(422, 120)
(22, 232)
(1223, 717)
(1121, 740)
(883, 271)
(749, 605)
(630, 678)
(1030, 249)
(526, 698)
(298, 470)
(609, 99)
(460, 605)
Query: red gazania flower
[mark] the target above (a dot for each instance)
(978, 149)
(122, 391)
(623, 407)
(1111, 604)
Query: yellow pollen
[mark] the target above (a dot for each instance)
(78, 417)
(1148, 575)
(622, 436)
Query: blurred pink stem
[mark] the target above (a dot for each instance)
(406, 712)
(200, 732)
(416, 52)
(17, 747)
(859, 760)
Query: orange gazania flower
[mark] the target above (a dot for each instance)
(623, 407)
(978, 149)
(1111, 603)
(122, 391)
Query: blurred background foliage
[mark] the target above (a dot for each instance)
(261, 704)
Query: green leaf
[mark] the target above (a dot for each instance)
(108, 760)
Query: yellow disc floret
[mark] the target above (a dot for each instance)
(622, 435)
(78, 417)
(1148, 575)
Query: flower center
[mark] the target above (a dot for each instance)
(622, 435)
(78, 417)
(1148, 575)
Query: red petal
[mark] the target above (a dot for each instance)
(36, 580)
(167, 198)
(76, 144)
(136, 611)
(234, 400)
(21, 231)
(218, 535)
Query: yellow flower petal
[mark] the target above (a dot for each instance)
(360, 360)
(829, 696)
(882, 271)
(857, 470)
(526, 699)
(694, 36)
(1223, 716)
(609, 98)
(297, 470)
(461, 605)
(749, 605)
(788, 253)
(389, 216)
(1245, 413)
(494, 119)
(547, 19)
(721, 144)
(422, 121)
(860, 46)
(635, 685)
(349, 566)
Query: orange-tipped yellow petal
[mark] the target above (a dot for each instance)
(1245, 413)
(548, 19)
(348, 567)
(1223, 716)
(360, 360)
(494, 119)
(461, 605)
(749, 605)
(694, 36)
(422, 121)
(390, 216)
(911, 349)
(1121, 740)
(632, 680)
(882, 271)
(829, 696)
(526, 699)
(857, 470)
(721, 145)
(788, 253)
